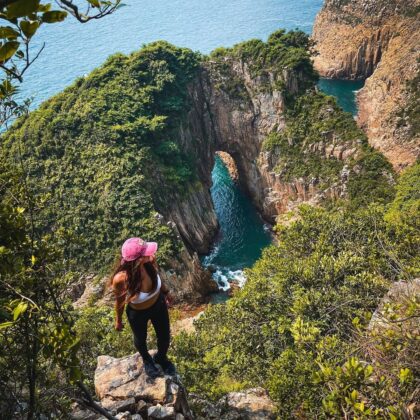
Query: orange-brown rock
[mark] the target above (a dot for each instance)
(378, 40)
(230, 165)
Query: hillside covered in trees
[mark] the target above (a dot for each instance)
(130, 148)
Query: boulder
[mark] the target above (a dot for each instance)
(119, 406)
(124, 378)
(127, 392)
(161, 412)
(395, 301)
(250, 404)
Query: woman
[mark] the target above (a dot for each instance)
(137, 286)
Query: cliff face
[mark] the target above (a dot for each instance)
(234, 111)
(143, 142)
(378, 40)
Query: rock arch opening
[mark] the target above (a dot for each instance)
(242, 233)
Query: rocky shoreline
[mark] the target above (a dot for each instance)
(378, 41)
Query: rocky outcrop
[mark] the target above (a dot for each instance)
(230, 165)
(394, 307)
(122, 387)
(235, 120)
(378, 40)
(125, 392)
(250, 404)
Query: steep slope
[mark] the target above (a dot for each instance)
(378, 40)
(129, 150)
(290, 144)
(300, 325)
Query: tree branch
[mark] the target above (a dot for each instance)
(90, 403)
(68, 6)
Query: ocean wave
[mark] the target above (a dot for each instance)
(225, 277)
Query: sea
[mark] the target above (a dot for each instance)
(72, 50)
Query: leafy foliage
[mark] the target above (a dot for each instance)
(315, 127)
(283, 51)
(24, 18)
(34, 320)
(292, 328)
(104, 153)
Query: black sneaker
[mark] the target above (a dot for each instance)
(151, 370)
(167, 366)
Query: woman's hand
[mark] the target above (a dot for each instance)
(119, 326)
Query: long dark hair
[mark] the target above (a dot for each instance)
(134, 278)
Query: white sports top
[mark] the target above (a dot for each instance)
(144, 296)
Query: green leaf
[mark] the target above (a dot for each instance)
(7, 89)
(6, 325)
(19, 310)
(44, 7)
(8, 50)
(29, 28)
(405, 376)
(33, 260)
(22, 8)
(54, 16)
(95, 3)
(8, 32)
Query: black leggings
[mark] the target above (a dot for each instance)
(138, 319)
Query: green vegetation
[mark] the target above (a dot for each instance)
(408, 117)
(282, 51)
(22, 20)
(92, 165)
(298, 325)
(104, 154)
(315, 127)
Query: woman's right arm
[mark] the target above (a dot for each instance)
(120, 293)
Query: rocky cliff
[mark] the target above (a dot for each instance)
(129, 150)
(379, 41)
(285, 152)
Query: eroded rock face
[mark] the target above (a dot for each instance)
(237, 119)
(250, 404)
(378, 40)
(123, 388)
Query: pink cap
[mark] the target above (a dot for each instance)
(134, 248)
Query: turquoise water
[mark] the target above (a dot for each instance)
(73, 50)
(242, 234)
(344, 91)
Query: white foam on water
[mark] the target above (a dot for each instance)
(207, 260)
(225, 277)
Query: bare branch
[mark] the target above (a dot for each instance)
(70, 7)
(20, 294)
(90, 403)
